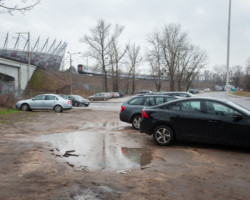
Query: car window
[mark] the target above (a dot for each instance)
(215, 108)
(39, 97)
(51, 97)
(186, 106)
(159, 100)
(78, 97)
(150, 101)
(136, 101)
(171, 98)
(175, 107)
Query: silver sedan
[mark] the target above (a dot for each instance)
(45, 102)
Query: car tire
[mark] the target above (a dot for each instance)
(136, 122)
(163, 135)
(75, 104)
(25, 107)
(58, 108)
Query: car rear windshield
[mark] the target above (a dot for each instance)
(78, 97)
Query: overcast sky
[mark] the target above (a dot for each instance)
(205, 21)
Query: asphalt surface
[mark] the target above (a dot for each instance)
(115, 104)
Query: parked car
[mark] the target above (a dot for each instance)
(181, 94)
(44, 102)
(78, 100)
(131, 109)
(193, 91)
(197, 119)
(173, 93)
(116, 95)
(120, 94)
(145, 92)
(63, 96)
(99, 96)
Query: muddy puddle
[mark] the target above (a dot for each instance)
(95, 151)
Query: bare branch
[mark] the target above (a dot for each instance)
(23, 6)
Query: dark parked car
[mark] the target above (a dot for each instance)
(198, 119)
(193, 91)
(131, 109)
(176, 93)
(45, 102)
(78, 100)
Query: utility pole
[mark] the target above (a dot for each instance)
(70, 69)
(228, 48)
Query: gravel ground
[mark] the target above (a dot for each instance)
(110, 160)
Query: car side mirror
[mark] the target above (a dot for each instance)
(237, 117)
(33, 99)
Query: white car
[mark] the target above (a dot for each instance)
(45, 102)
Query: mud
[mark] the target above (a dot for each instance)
(111, 161)
(96, 151)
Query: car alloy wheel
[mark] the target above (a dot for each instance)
(136, 122)
(25, 107)
(163, 135)
(58, 108)
(75, 104)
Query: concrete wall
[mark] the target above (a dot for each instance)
(19, 71)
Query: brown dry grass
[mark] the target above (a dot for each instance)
(241, 93)
(7, 101)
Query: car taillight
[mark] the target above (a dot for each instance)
(69, 102)
(144, 114)
(122, 108)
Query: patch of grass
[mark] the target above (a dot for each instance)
(241, 93)
(6, 111)
(9, 116)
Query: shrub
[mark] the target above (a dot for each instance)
(7, 101)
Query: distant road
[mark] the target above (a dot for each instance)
(243, 101)
(115, 104)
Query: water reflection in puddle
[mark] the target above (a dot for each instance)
(95, 151)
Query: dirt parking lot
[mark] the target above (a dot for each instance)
(90, 154)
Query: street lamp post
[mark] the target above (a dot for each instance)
(70, 69)
(228, 48)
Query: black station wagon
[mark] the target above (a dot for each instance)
(131, 109)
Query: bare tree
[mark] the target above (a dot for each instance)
(172, 55)
(248, 66)
(21, 6)
(196, 63)
(116, 56)
(99, 42)
(173, 41)
(133, 60)
(154, 59)
(220, 74)
(237, 74)
(208, 76)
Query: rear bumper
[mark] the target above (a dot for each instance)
(145, 126)
(124, 117)
(69, 107)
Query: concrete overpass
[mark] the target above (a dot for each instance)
(18, 73)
